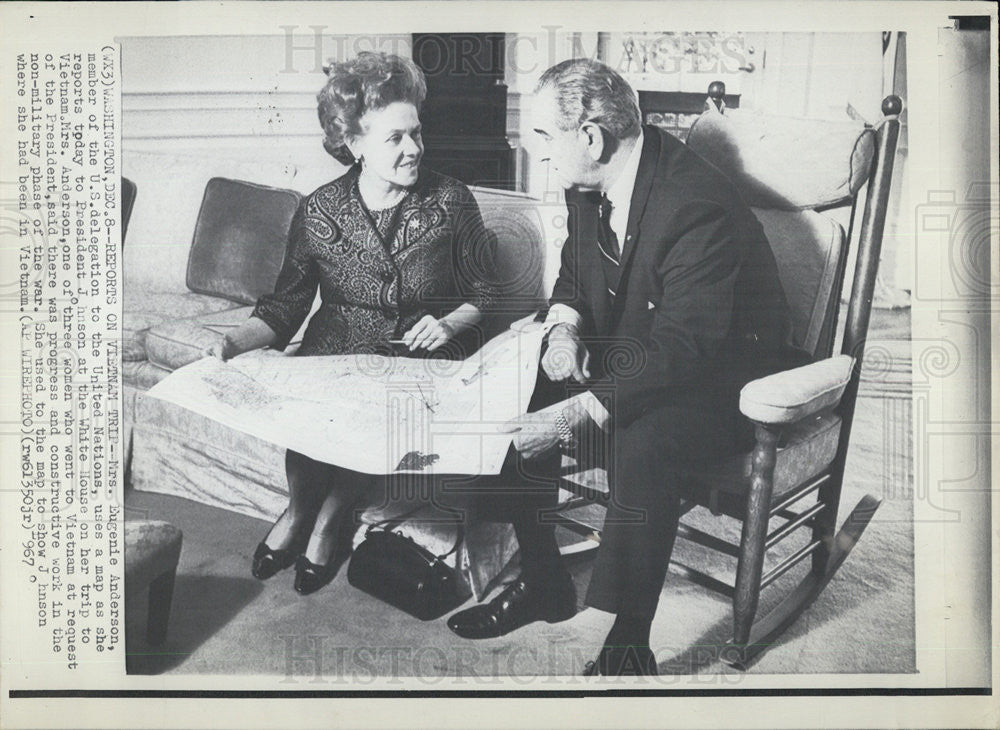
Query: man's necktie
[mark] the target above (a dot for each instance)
(606, 235)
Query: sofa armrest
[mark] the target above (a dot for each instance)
(791, 395)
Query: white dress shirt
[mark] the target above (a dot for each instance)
(620, 196)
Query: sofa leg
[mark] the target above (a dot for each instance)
(161, 592)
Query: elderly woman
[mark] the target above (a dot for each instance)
(401, 259)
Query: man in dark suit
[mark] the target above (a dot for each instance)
(667, 302)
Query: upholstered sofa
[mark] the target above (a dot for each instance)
(206, 237)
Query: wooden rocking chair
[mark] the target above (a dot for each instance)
(792, 172)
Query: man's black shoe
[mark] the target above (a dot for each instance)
(623, 661)
(517, 605)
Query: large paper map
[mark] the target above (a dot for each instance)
(371, 413)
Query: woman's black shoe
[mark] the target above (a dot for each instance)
(310, 577)
(267, 562)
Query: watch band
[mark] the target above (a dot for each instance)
(566, 438)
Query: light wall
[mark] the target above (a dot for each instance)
(813, 75)
(252, 98)
(831, 76)
(248, 98)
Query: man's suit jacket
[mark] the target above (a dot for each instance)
(698, 310)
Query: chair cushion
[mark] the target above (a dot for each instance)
(178, 342)
(240, 239)
(786, 162)
(791, 395)
(808, 248)
(807, 449)
(151, 548)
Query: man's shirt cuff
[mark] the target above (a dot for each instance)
(595, 409)
(563, 314)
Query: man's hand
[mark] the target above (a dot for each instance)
(566, 356)
(535, 434)
(429, 333)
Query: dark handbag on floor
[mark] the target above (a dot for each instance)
(395, 569)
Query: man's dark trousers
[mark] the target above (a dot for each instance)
(642, 516)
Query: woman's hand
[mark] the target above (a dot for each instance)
(223, 349)
(251, 335)
(429, 333)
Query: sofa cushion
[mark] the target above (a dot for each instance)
(143, 374)
(134, 328)
(148, 305)
(145, 309)
(240, 239)
(177, 342)
(163, 219)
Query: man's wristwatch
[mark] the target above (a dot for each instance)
(566, 438)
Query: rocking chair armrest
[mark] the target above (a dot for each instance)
(791, 395)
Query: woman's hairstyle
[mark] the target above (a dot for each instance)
(589, 91)
(369, 81)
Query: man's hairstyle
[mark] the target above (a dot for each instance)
(590, 91)
(369, 81)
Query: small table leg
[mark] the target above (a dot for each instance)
(161, 592)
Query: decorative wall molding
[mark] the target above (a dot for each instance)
(218, 114)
